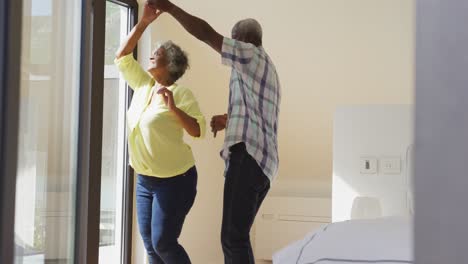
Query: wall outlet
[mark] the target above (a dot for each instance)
(368, 165)
(390, 165)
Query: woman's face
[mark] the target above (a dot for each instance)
(157, 67)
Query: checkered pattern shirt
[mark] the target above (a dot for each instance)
(254, 99)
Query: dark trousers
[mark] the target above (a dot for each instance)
(245, 189)
(162, 205)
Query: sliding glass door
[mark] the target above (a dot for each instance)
(116, 176)
(47, 140)
(65, 189)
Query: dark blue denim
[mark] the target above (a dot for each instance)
(162, 205)
(245, 188)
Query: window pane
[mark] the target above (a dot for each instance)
(45, 195)
(113, 140)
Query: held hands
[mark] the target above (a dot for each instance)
(168, 98)
(163, 5)
(218, 123)
(150, 13)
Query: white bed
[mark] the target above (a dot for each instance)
(384, 240)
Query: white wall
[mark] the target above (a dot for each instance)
(327, 52)
(370, 131)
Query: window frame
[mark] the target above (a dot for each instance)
(90, 137)
(128, 185)
(10, 54)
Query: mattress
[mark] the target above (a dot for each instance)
(381, 241)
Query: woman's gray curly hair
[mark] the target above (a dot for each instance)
(177, 60)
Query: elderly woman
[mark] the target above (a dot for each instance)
(160, 111)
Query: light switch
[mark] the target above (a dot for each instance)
(368, 165)
(390, 165)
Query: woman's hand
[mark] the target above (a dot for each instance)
(164, 5)
(168, 98)
(189, 123)
(150, 13)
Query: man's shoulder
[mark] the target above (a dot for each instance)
(230, 44)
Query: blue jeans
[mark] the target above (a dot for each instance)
(162, 205)
(245, 188)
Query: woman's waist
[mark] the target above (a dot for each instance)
(160, 148)
(187, 173)
(164, 162)
(163, 171)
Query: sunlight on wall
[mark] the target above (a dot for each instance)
(347, 195)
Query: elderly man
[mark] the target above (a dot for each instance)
(250, 146)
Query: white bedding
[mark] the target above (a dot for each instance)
(381, 241)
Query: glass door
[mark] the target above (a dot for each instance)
(50, 152)
(116, 179)
(47, 140)
(113, 140)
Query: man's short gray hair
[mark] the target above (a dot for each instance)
(176, 58)
(249, 29)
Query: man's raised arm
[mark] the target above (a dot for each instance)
(194, 25)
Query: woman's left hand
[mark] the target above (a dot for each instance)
(168, 98)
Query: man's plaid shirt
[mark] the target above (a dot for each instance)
(254, 99)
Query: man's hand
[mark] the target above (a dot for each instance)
(194, 25)
(218, 123)
(163, 5)
(150, 13)
(168, 98)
